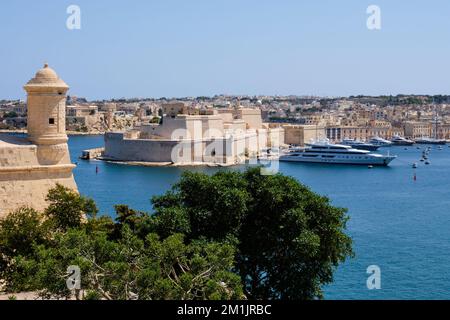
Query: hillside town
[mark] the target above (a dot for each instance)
(303, 118)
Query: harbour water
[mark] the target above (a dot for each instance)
(400, 224)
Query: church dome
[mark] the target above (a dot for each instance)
(46, 77)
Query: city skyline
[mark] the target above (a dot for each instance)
(255, 151)
(173, 49)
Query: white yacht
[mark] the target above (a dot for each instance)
(325, 152)
(400, 141)
(356, 144)
(427, 140)
(380, 142)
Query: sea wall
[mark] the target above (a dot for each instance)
(228, 149)
(121, 149)
(219, 150)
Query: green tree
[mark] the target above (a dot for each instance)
(155, 120)
(11, 114)
(290, 240)
(118, 260)
(132, 268)
(67, 209)
(231, 235)
(19, 232)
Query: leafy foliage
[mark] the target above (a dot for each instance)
(118, 261)
(290, 240)
(232, 235)
(132, 268)
(19, 232)
(67, 209)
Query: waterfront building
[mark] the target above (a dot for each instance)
(30, 166)
(81, 110)
(416, 129)
(85, 118)
(362, 133)
(302, 134)
(315, 119)
(441, 131)
(187, 136)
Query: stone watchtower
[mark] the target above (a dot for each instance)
(30, 166)
(47, 115)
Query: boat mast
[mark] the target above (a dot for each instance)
(316, 131)
(435, 119)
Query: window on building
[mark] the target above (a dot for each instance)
(51, 121)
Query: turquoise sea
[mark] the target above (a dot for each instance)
(399, 224)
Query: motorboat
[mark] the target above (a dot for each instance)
(427, 140)
(356, 144)
(401, 141)
(380, 142)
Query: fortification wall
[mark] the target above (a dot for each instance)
(28, 187)
(120, 149)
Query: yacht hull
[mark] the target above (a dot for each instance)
(376, 161)
(365, 147)
(437, 142)
(403, 143)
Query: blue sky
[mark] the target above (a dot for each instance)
(176, 48)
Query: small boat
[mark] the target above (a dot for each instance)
(427, 162)
(414, 165)
(85, 155)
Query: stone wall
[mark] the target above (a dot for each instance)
(27, 172)
(120, 149)
(251, 116)
(224, 150)
(29, 187)
(302, 134)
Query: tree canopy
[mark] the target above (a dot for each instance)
(289, 239)
(231, 235)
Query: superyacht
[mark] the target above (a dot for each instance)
(356, 144)
(325, 152)
(400, 141)
(426, 140)
(380, 142)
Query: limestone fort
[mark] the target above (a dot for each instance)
(30, 166)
